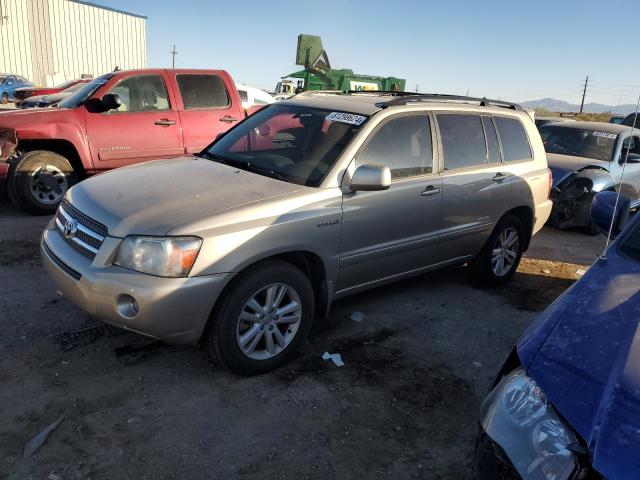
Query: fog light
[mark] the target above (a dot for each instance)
(127, 306)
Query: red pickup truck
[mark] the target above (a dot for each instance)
(117, 119)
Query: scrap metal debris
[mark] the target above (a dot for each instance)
(84, 336)
(36, 442)
(336, 358)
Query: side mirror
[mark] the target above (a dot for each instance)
(632, 158)
(111, 101)
(370, 177)
(604, 212)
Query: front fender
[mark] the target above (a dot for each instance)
(601, 179)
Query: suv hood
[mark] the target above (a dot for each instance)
(584, 352)
(156, 197)
(562, 166)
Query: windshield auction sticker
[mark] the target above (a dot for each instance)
(612, 136)
(349, 118)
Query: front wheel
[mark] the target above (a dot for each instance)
(38, 181)
(5, 98)
(263, 319)
(500, 257)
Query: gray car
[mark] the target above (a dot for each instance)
(587, 158)
(311, 199)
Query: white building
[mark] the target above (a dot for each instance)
(50, 41)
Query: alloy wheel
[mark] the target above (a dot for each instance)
(269, 321)
(505, 251)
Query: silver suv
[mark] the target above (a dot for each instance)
(308, 200)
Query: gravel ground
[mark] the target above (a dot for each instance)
(404, 405)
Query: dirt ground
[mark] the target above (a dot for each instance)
(405, 404)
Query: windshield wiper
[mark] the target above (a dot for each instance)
(244, 165)
(259, 170)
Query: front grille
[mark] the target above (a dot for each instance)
(82, 233)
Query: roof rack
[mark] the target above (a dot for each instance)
(406, 98)
(392, 93)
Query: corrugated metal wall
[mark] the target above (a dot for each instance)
(49, 41)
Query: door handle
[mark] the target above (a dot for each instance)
(430, 190)
(500, 176)
(228, 119)
(164, 122)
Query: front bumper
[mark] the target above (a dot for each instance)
(175, 310)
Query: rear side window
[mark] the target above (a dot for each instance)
(403, 144)
(463, 142)
(243, 95)
(493, 146)
(203, 91)
(515, 144)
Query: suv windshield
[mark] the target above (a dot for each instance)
(288, 142)
(82, 95)
(578, 142)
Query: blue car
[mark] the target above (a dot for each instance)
(566, 404)
(8, 85)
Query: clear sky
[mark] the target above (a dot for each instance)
(516, 50)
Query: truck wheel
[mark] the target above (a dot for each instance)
(5, 98)
(263, 319)
(38, 181)
(500, 257)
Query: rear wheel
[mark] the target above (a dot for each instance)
(38, 181)
(500, 257)
(4, 99)
(263, 319)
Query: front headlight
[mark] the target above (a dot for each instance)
(518, 417)
(161, 256)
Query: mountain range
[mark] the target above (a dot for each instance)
(555, 105)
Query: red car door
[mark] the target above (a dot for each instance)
(209, 104)
(146, 126)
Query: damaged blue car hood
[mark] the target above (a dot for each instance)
(584, 352)
(562, 166)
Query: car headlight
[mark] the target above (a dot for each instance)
(518, 417)
(161, 256)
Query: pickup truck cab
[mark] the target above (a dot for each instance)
(117, 119)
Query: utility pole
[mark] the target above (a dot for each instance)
(416, 88)
(584, 93)
(173, 53)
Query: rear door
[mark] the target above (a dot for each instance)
(476, 189)
(390, 232)
(145, 127)
(208, 105)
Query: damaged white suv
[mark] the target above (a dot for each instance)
(242, 247)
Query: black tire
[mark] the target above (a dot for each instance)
(481, 267)
(220, 336)
(5, 98)
(23, 173)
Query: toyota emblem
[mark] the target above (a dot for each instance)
(70, 228)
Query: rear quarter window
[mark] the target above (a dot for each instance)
(515, 143)
(200, 91)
